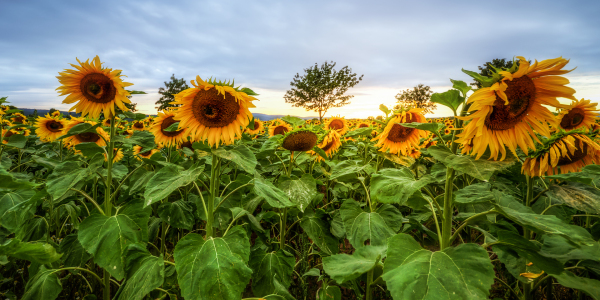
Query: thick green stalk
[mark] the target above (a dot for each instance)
(528, 290)
(283, 212)
(369, 293)
(110, 152)
(214, 189)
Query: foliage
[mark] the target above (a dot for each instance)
(486, 70)
(418, 97)
(171, 88)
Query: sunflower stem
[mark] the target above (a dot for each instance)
(214, 189)
(283, 213)
(107, 199)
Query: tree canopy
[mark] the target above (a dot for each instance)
(322, 88)
(171, 88)
(417, 97)
(486, 70)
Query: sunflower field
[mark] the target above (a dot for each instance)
(204, 201)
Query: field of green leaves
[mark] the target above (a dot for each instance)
(203, 201)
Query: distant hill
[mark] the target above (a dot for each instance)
(262, 117)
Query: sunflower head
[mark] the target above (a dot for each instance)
(138, 126)
(97, 137)
(140, 153)
(258, 127)
(362, 124)
(299, 140)
(166, 137)
(399, 139)
(95, 89)
(338, 124)
(564, 153)
(279, 127)
(7, 134)
(49, 128)
(56, 113)
(214, 111)
(330, 143)
(117, 155)
(579, 114)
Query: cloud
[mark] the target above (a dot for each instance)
(263, 44)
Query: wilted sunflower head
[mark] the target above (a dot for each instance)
(214, 111)
(579, 114)
(258, 127)
(399, 139)
(564, 153)
(49, 128)
(166, 137)
(299, 140)
(279, 127)
(511, 103)
(97, 137)
(96, 89)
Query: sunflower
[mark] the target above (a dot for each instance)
(258, 127)
(56, 113)
(506, 113)
(19, 118)
(362, 124)
(186, 144)
(49, 128)
(399, 139)
(167, 138)
(331, 143)
(96, 89)
(307, 122)
(577, 115)
(138, 126)
(299, 140)
(127, 132)
(349, 139)
(565, 153)
(447, 131)
(214, 111)
(106, 122)
(428, 143)
(117, 155)
(137, 151)
(279, 127)
(7, 133)
(414, 153)
(86, 136)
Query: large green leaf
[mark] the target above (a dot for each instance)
(319, 232)
(562, 249)
(576, 195)
(330, 292)
(344, 267)
(451, 99)
(45, 285)
(375, 227)
(215, 268)
(431, 127)
(65, 176)
(15, 210)
(73, 254)
(36, 252)
(144, 273)
(482, 168)
(396, 185)
(17, 141)
(524, 216)
(273, 195)
(167, 180)
(240, 155)
(269, 268)
(106, 238)
(349, 169)
(300, 191)
(411, 272)
(34, 229)
(590, 286)
(178, 214)
(9, 181)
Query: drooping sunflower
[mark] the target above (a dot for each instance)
(564, 153)
(49, 128)
(137, 151)
(117, 155)
(399, 139)
(258, 127)
(279, 127)
(214, 111)
(362, 124)
(512, 106)
(338, 124)
(56, 113)
(167, 138)
(299, 140)
(579, 114)
(330, 143)
(95, 89)
(85, 137)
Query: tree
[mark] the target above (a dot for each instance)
(34, 114)
(418, 97)
(171, 88)
(322, 88)
(486, 70)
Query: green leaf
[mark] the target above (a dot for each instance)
(81, 128)
(411, 272)
(375, 227)
(558, 247)
(396, 185)
(300, 191)
(406, 161)
(32, 230)
(17, 141)
(143, 139)
(45, 285)
(431, 127)
(321, 152)
(570, 280)
(106, 238)
(167, 180)
(145, 273)
(295, 121)
(384, 109)
(484, 80)
(15, 210)
(578, 196)
(240, 155)
(89, 149)
(273, 195)
(9, 181)
(349, 169)
(36, 252)
(344, 267)
(178, 214)
(330, 292)
(482, 168)
(475, 193)
(461, 86)
(138, 180)
(215, 268)
(318, 231)
(365, 131)
(542, 224)
(451, 99)
(64, 177)
(73, 254)
(269, 267)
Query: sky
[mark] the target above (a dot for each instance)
(263, 44)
